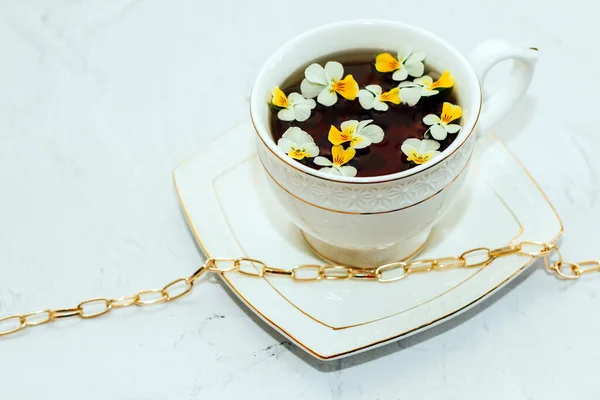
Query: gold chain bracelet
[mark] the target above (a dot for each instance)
(474, 258)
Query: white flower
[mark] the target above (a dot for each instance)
(411, 92)
(441, 127)
(359, 134)
(297, 144)
(372, 97)
(339, 157)
(420, 151)
(407, 63)
(293, 107)
(326, 83)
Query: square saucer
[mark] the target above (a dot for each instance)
(232, 213)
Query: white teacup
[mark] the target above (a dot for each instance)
(366, 222)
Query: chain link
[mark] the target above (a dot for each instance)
(475, 258)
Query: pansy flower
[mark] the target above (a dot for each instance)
(359, 134)
(326, 83)
(339, 157)
(441, 127)
(407, 63)
(298, 144)
(292, 107)
(420, 151)
(411, 92)
(372, 96)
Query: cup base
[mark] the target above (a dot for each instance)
(370, 258)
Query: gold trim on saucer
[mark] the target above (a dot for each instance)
(497, 139)
(338, 328)
(333, 327)
(521, 229)
(231, 286)
(395, 337)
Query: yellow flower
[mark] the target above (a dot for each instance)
(428, 86)
(407, 63)
(326, 83)
(445, 81)
(385, 62)
(420, 151)
(411, 92)
(293, 108)
(339, 157)
(372, 97)
(441, 127)
(393, 96)
(359, 134)
(279, 98)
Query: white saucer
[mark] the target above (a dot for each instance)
(231, 212)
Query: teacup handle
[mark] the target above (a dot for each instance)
(499, 102)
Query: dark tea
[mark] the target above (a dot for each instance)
(365, 113)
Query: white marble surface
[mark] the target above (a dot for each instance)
(100, 100)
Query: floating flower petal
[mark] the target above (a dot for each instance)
(445, 81)
(441, 127)
(385, 62)
(293, 108)
(339, 157)
(279, 98)
(326, 83)
(372, 97)
(298, 144)
(411, 92)
(420, 151)
(359, 134)
(407, 63)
